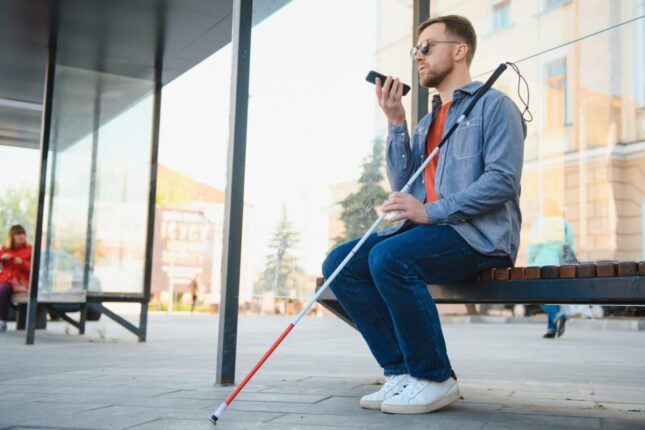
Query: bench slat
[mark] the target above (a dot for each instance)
(532, 272)
(567, 272)
(549, 272)
(627, 268)
(587, 271)
(53, 297)
(518, 273)
(502, 274)
(606, 270)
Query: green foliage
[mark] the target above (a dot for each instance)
(17, 206)
(358, 208)
(281, 272)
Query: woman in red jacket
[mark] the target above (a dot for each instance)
(15, 263)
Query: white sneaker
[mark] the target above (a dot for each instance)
(420, 396)
(393, 384)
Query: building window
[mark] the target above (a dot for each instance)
(501, 15)
(550, 4)
(556, 94)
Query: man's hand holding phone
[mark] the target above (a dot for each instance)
(388, 95)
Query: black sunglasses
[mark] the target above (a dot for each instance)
(424, 47)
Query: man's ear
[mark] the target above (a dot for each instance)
(461, 52)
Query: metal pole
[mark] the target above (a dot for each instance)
(90, 242)
(419, 94)
(89, 232)
(48, 96)
(50, 204)
(234, 207)
(154, 155)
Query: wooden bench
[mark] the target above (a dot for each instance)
(83, 301)
(620, 283)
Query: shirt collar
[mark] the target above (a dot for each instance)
(468, 89)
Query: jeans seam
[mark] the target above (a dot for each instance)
(484, 263)
(387, 335)
(432, 332)
(414, 265)
(442, 254)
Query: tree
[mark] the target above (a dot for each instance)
(359, 208)
(17, 206)
(281, 271)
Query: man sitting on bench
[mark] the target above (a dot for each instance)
(461, 218)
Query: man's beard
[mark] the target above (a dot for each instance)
(434, 78)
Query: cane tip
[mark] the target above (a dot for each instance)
(213, 419)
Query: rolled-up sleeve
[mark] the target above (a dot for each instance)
(503, 153)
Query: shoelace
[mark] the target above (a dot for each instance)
(411, 388)
(391, 382)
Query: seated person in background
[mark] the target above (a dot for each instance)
(15, 260)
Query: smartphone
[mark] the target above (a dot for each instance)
(372, 75)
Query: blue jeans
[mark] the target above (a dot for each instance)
(383, 289)
(553, 312)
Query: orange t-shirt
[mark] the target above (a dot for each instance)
(434, 137)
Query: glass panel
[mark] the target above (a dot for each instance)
(107, 118)
(122, 186)
(313, 122)
(66, 206)
(191, 180)
(583, 153)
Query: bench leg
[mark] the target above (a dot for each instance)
(21, 316)
(83, 319)
(41, 317)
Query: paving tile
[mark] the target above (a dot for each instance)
(371, 419)
(14, 413)
(289, 398)
(281, 407)
(622, 424)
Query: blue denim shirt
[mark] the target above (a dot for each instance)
(478, 173)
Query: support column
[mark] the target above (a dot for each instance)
(419, 94)
(154, 155)
(234, 206)
(45, 132)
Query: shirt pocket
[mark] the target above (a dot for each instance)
(467, 139)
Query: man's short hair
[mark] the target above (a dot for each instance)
(456, 26)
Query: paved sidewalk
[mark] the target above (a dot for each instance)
(510, 378)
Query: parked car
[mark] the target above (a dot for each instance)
(67, 270)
